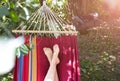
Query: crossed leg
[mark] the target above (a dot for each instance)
(53, 59)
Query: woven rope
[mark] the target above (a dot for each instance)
(43, 21)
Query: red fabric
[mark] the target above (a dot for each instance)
(68, 69)
(26, 62)
(25, 65)
(15, 73)
(42, 62)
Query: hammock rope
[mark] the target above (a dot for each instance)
(34, 65)
(45, 21)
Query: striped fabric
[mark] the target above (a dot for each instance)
(34, 60)
(20, 69)
(35, 65)
(26, 62)
(30, 62)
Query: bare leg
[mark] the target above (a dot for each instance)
(56, 50)
(52, 72)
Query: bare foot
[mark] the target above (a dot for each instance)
(48, 52)
(57, 61)
(54, 60)
(56, 53)
(56, 49)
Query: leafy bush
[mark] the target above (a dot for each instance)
(99, 51)
(6, 77)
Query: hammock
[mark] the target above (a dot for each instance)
(44, 29)
(44, 20)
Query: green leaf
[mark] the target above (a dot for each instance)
(31, 46)
(18, 52)
(12, 5)
(3, 11)
(24, 49)
(83, 70)
(14, 16)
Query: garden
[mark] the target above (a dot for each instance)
(98, 37)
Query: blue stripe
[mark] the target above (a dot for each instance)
(30, 60)
(20, 69)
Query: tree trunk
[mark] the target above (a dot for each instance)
(41, 2)
(78, 7)
(84, 7)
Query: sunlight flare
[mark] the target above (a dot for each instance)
(7, 53)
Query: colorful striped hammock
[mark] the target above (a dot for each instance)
(34, 66)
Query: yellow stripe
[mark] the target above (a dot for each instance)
(29, 62)
(34, 60)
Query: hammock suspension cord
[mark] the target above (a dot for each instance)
(45, 21)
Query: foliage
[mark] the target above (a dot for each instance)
(60, 7)
(99, 51)
(6, 77)
(23, 49)
(13, 13)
